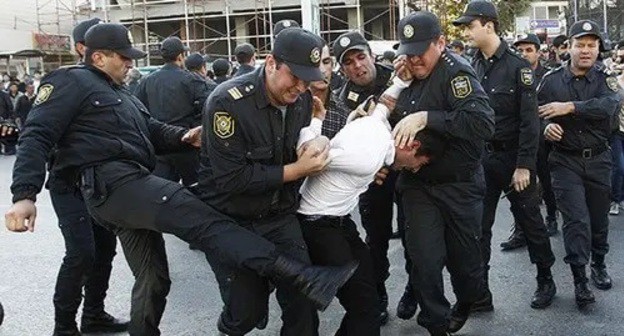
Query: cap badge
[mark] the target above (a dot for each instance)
(408, 31)
(315, 55)
(344, 42)
(130, 37)
(286, 24)
(587, 26)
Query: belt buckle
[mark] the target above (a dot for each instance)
(587, 153)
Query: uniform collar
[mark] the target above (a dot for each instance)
(171, 66)
(590, 76)
(498, 53)
(100, 73)
(260, 94)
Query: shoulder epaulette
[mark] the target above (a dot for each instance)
(239, 91)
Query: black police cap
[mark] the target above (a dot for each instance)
(301, 51)
(80, 30)
(284, 24)
(352, 40)
(528, 38)
(220, 67)
(475, 10)
(416, 32)
(244, 49)
(584, 28)
(559, 40)
(194, 61)
(112, 36)
(172, 46)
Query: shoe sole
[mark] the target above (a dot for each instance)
(482, 309)
(328, 293)
(585, 303)
(601, 287)
(511, 248)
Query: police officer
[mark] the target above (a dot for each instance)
(195, 63)
(528, 45)
(175, 96)
(578, 102)
(89, 248)
(366, 78)
(222, 69)
(509, 165)
(250, 171)
(106, 143)
(245, 55)
(443, 201)
(558, 51)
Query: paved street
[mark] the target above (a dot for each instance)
(29, 263)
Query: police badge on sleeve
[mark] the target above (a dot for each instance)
(223, 125)
(612, 83)
(526, 76)
(461, 86)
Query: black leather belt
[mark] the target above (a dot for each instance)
(501, 146)
(585, 153)
(314, 218)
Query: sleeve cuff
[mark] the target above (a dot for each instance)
(525, 163)
(436, 120)
(25, 193)
(274, 177)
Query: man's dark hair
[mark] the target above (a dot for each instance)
(243, 58)
(168, 58)
(89, 52)
(484, 21)
(432, 144)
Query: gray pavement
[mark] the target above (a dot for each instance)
(29, 264)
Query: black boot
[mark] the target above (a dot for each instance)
(459, 316)
(599, 275)
(66, 329)
(102, 322)
(516, 239)
(582, 293)
(1, 314)
(544, 293)
(551, 226)
(263, 323)
(383, 304)
(407, 305)
(484, 304)
(318, 283)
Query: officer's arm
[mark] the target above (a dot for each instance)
(470, 116)
(604, 105)
(57, 103)
(544, 96)
(528, 139)
(235, 169)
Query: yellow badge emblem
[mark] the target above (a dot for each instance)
(44, 93)
(461, 86)
(315, 55)
(223, 126)
(613, 84)
(526, 76)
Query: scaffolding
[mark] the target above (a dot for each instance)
(214, 27)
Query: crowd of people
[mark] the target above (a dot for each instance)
(261, 169)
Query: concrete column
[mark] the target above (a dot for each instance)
(352, 18)
(241, 29)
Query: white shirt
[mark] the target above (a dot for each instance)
(356, 154)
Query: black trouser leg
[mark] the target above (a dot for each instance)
(543, 172)
(442, 228)
(152, 203)
(147, 258)
(89, 251)
(96, 283)
(246, 294)
(376, 209)
(570, 191)
(335, 243)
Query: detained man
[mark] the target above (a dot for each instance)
(356, 154)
